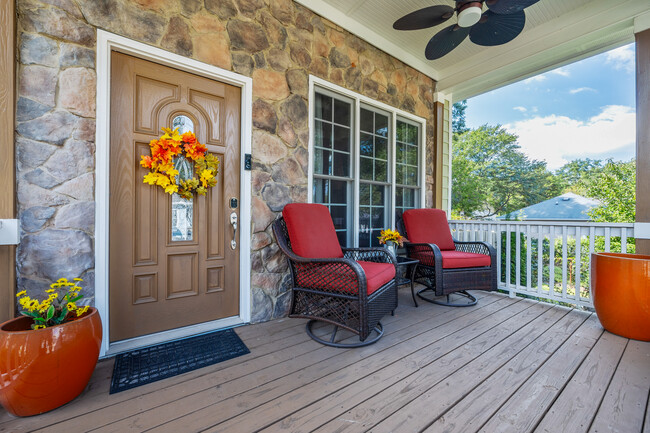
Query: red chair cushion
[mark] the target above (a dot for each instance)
(311, 231)
(459, 259)
(428, 226)
(454, 259)
(377, 274)
(321, 278)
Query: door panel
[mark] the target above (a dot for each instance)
(158, 283)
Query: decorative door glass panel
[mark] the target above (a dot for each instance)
(182, 209)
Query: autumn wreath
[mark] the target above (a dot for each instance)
(180, 164)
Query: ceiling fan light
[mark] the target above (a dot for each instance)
(469, 15)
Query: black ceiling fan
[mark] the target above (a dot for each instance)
(501, 23)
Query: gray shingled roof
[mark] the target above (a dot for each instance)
(566, 207)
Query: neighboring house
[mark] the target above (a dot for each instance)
(565, 207)
(313, 100)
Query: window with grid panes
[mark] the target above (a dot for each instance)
(380, 150)
(332, 161)
(407, 158)
(374, 176)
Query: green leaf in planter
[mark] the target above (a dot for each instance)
(61, 317)
(50, 312)
(77, 298)
(39, 319)
(29, 314)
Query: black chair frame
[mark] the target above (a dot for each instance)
(445, 282)
(334, 291)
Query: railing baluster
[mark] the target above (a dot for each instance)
(623, 240)
(578, 263)
(565, 260)
(607, 239)
(508, 245)
(518, 256)
(551, 262)
(499, 260)
(540, 256)
(529, 266)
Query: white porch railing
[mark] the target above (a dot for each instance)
(548, 260)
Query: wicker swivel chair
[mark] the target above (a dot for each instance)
(351, 288)
(446, 266)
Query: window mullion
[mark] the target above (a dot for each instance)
(356, 140)
(391, 161)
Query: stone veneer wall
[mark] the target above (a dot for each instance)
(276, 42)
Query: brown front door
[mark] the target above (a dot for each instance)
(172, 261)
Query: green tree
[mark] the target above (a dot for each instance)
(491, 176)
(615, 187)
(576, 175)
(458, 125)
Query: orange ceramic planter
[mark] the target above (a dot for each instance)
(44, 369)
(620, 288)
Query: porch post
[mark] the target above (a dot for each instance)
(7, 158)
(442, 152)
(642, 35)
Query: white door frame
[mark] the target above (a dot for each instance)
(107, 42)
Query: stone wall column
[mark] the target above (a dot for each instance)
(7, 163)
(643, 135)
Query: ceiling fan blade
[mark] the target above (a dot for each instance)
(445, 40)
(495, 29)
(424, 18)
(505, 7)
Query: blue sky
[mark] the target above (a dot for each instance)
(582, 110)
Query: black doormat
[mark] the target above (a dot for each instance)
(154, 363)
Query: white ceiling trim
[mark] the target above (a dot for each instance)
(341, 19)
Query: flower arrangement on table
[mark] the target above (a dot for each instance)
(170, 155)
(388, 235)
(60, 306)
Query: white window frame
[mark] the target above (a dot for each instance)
(316, 83)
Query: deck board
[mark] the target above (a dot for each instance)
(505, 365)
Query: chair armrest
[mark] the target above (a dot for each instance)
(377, 255)
(427, 254)
(476, 247)
(330, 276)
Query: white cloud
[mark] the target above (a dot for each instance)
(559, 139)
(520, 109)
(582, 89)
(535, 79)
(623, 58)
(560, 71)
(543, 77)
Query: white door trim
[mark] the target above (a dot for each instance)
(107, 42)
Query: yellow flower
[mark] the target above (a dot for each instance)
(71, 306)
(19, 294)
(39, 327)
(77, 279)
(53, 296)
(50, 291)
(62, 280)
(80, 311)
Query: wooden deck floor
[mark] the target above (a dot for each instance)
(505, 365)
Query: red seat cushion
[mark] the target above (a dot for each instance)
(377, 274)
(454, 259)
(321, 278)
(459, 259)
(428, 226)
(311, 231)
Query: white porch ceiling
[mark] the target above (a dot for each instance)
(557, 32)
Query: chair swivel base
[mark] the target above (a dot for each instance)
(472, 300)
(379, 330)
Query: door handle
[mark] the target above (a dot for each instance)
(233, 222)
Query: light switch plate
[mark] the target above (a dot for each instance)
(9, 232)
